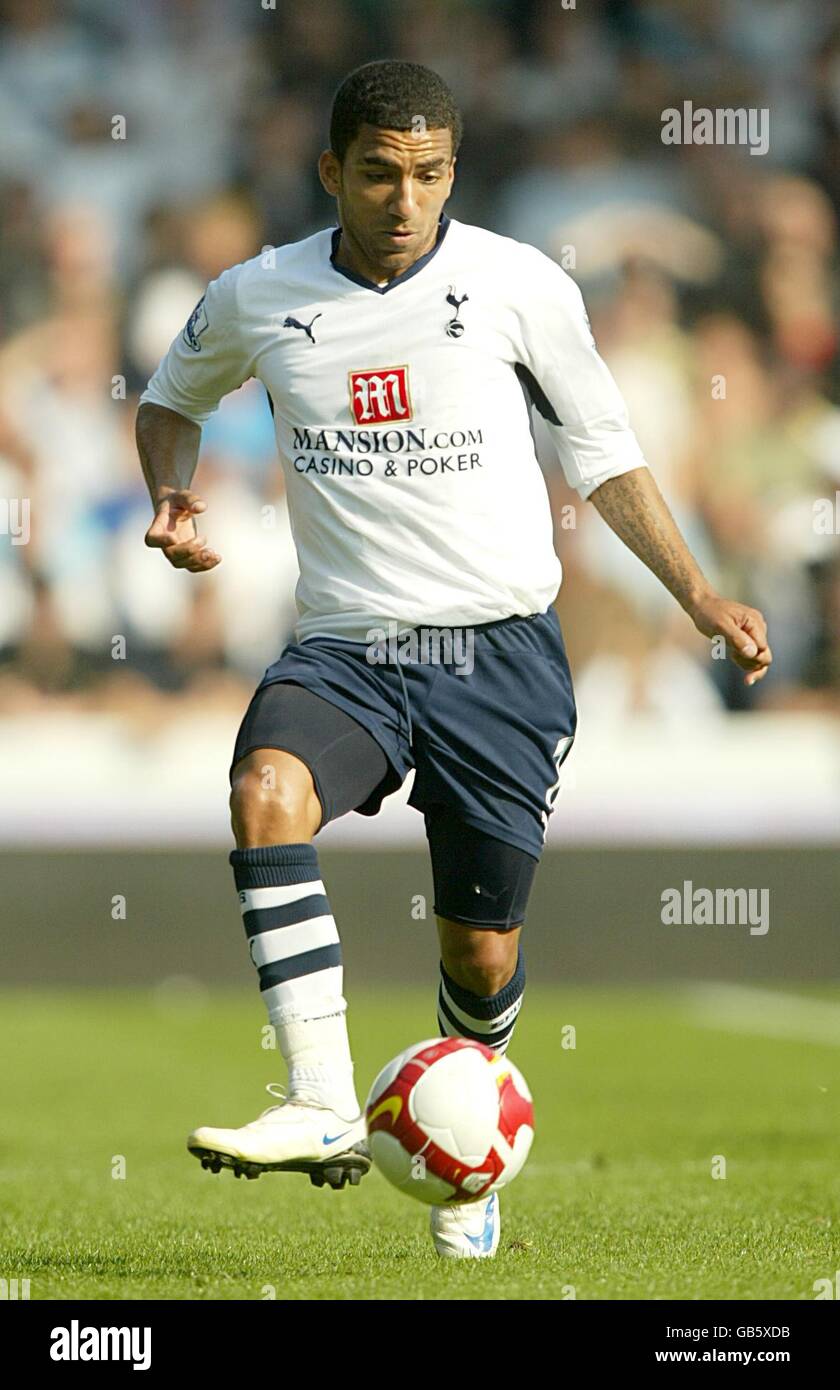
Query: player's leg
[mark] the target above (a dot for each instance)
(273, 800)
(482, 887)
(281, 796)
(292, 935)
(482, 981)
(489, 744)
(480, 959)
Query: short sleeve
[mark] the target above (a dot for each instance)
(207, 359)
(568, 382)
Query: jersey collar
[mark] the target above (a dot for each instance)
(443, 227)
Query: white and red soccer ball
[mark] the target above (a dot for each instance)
(449, 1120)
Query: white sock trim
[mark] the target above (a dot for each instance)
(282, 942)
(255, 899)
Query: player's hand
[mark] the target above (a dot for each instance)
(743, 628)
(174, 531)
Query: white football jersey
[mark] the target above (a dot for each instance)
(403, 420)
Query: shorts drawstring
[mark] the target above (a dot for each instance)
(406, 701)
(396, 661)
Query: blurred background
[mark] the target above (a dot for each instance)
(711, 279)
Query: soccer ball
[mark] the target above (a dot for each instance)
(449, 1120)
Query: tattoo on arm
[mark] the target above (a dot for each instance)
(634, 508)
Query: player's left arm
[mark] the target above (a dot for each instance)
(586, 418)
(634, 508)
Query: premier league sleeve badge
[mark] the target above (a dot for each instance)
(196, 324)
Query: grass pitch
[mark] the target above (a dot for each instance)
(617, 1200)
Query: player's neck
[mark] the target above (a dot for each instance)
(350, 256)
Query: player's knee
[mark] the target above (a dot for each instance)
(273, 801)
(482, 961)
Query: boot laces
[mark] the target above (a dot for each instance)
(275, 1089)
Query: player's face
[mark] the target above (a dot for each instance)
(390, 189)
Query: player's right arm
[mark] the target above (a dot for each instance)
(168, 447)
(206, 361)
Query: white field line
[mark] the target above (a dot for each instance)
(764, 1013)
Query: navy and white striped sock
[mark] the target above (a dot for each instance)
(489, 1018)
(293, 941)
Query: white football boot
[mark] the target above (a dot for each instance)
(292, 1137)
(468, 1231)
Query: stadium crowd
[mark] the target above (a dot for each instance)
(146, 147)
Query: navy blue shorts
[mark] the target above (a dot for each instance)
(485, 731)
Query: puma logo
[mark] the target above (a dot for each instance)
(483, 892)
(306, 328)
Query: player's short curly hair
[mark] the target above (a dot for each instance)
(392, 94)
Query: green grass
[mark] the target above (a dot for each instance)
(617, 1200)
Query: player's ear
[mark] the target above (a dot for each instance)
(329, 172)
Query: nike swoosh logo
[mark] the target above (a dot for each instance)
(485, 1240)
(331, 1138)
